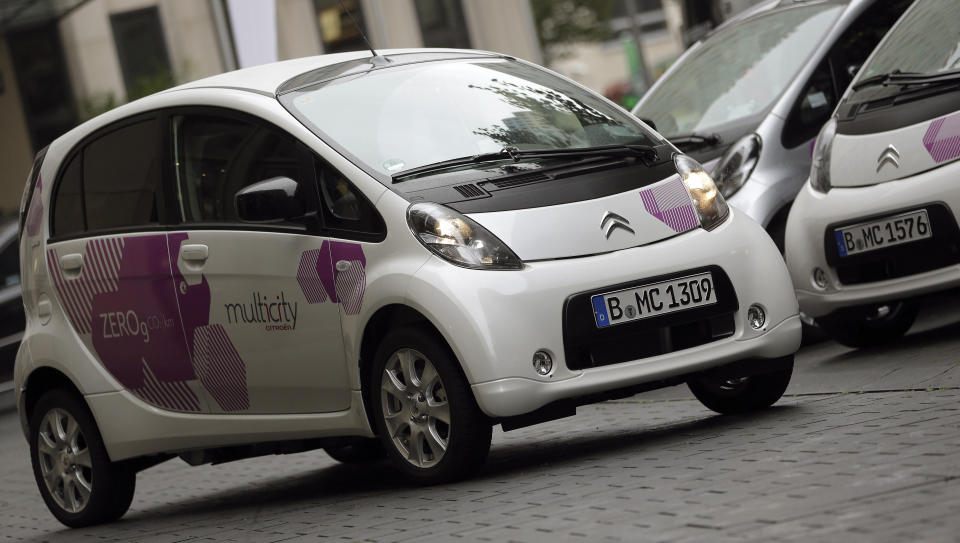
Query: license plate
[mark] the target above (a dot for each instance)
(886, 232)
(654, 299)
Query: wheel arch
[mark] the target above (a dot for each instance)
(385, 319)
(40, 381)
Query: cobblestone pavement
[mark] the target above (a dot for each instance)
(865, 447)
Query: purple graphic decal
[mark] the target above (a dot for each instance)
(942, 139)
(320, 278)
(35, 212)
(172, 395)
(308, 276)
(220, 368)
(149, 328)
(350, 282)
(670, 203)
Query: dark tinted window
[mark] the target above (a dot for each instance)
(345, 210)
(68, 207)
(862, 37)
(218, 156)
(813, 108)
(121, 177)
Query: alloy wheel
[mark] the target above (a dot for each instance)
(415, 407)
(65, 462)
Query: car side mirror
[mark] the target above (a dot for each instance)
(650, 123)
(270, 200)
(852, 69)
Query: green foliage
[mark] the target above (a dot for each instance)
(564, 22)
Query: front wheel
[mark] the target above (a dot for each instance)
(425, 413)
(77, 480)
(730, 393)
(869, 326)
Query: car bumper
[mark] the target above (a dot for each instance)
(813, 214)
(495, 321)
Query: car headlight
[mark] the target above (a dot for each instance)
(737, 164)
(820, 166)
(458, 239)
(709, 203)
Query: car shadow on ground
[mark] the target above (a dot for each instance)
(921, 337)
(332, 486)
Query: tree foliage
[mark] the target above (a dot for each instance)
(564, 22)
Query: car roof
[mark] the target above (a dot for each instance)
(268, 78)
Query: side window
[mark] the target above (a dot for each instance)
(218, 156)
(68, 217)
(862, 37)
(812, 109)
(121, 177)
(346, 211)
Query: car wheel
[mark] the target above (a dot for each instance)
(77, 480)
(869, 326)
(359, 452)
(425, 412)
(729, 393)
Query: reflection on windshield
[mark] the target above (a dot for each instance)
(401, 118)
(739, 71)
(927, 40)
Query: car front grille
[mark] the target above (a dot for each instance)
(939, 251)
(587, 346)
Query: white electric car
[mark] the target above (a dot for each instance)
(411, 247)
(876, 225)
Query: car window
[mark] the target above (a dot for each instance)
(863, 35)
(217, 156)
(345, 209)
(121, 177)
(812, 109)
(68, 216)
(10, 265)
(113, 182)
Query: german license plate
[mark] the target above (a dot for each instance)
(654, 299)
(886, 232)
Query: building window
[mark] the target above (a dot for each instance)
(337, 30)
(143, 52)
(442, 23)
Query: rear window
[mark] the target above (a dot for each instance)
(112, 183)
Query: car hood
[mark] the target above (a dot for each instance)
(620, 221)
(870, 159)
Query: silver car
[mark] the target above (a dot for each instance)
(749, 99)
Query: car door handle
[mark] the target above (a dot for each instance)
(195, 253)
(72, 262)
(344, 265)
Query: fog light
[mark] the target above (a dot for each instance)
(820, 278)
(756, 317)
(542, 362)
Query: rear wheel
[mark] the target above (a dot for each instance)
(77, 480)
(425, 413)
(729, 393)
(868, 326)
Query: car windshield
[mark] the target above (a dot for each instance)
(399, 118)
(739, 71)
(925, 41)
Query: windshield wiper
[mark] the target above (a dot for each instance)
(644, 152)
(694, 139)
(909, 78)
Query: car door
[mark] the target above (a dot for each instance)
(263, 335)
(109, 263)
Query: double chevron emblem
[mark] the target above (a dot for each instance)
(889, 155)
(612, 221)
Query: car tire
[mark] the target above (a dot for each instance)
(85, 487)
(358, 452)
(868, 326)
(416, 383)
(730, 394)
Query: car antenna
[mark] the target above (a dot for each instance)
(377, 59)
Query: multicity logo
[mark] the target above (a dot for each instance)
(277, 314)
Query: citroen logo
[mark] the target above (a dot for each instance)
(612, 221)
(889, 155)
